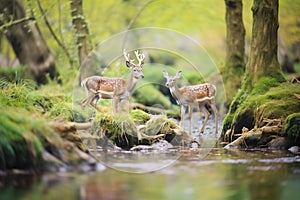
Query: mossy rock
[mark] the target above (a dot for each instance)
(159, 124)
(121, 130)
(139, 117)
(292, 125)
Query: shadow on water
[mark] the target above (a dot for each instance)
(221, 174)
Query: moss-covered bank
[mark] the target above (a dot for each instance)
(29, 142)
(27, 139)
(269, 99)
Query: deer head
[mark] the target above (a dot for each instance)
(171, 80)
(136, 69)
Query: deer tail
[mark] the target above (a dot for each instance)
(83, 82)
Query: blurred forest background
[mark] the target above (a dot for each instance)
(71, 29)
(51, 39)
(203, 21)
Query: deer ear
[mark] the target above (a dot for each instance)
(178, 75)
(165, 74)
(128, 64)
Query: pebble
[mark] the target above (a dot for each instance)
(294, 149)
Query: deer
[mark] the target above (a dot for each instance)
(188, 96)
(117, 89)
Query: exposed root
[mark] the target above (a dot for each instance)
(251, 138)
(297, 96)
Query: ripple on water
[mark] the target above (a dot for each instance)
(293, 159)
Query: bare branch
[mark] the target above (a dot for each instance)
(60, 43)
(15, 22)
(132, 21)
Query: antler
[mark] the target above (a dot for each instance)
(126, 56)
(140, 57)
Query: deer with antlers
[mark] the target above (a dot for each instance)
(113, 88)
(187, 96)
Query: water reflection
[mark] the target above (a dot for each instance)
(221, 175)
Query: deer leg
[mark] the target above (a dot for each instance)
(94, 102)
(182, 112)
(191, 106)
(88, 99)
(206, 114)
(213, 106)
(116, 102)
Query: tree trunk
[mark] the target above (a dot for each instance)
(81, 30)
(263, 60)
(263, 63)
(235, 47)
(27, 41)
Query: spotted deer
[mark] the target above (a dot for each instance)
(113, 88)
(187, 96)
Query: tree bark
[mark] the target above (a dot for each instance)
(263, 59)
(235, 47)
(27, 41)
(235, 35)
(81, 30)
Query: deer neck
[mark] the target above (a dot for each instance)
(175, 93)
(130, 83)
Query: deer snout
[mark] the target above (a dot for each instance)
(142, 76)
(167, 84)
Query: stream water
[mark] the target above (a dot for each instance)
(221, 174)
(195, 173)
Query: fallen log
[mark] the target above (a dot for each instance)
(153, 109)
(272, 129)
(63, 127)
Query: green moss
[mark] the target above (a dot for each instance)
(51, 103)
(269, 99)
(15, 94)
(159, 124)
(120, 130)
(277, 101)
(104, 123)
(62, 110)
(292, 125)
(139, 116)
(22, 139)
(12, 74)
(264, 85)
(227, 123)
